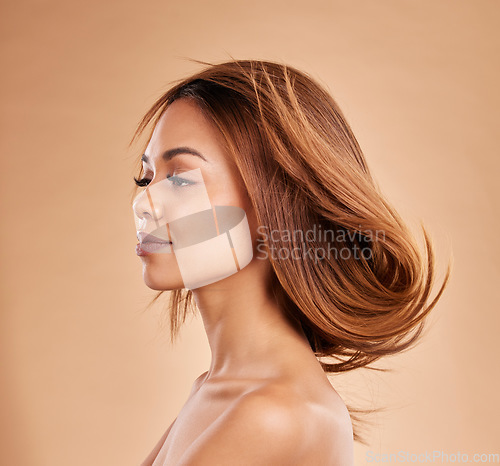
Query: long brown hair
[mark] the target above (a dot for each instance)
(303, 170)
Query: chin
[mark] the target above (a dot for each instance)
(161, 273)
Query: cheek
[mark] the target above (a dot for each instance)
(229, 193)
(238, 198)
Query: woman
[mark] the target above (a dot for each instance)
(260, 211)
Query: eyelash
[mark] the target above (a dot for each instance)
(142, 182)
(176, 180)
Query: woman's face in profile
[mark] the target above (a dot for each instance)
(184, 241)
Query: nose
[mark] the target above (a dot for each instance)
(146, 210)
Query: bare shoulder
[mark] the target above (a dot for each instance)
(154, 453)
(273, 425)
(198, 382)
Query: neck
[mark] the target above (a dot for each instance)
(248, 334)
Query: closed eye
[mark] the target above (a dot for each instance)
(142, 182)
(178, 181)
(174, 179)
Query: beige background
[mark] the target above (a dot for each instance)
(87, 377)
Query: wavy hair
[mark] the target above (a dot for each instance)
(303, 170)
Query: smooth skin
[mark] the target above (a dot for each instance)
(265, 399)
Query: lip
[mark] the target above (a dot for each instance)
(144, 238)
(144, 249)
(149, 244)
(139, 251)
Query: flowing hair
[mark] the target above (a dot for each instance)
(304, 171)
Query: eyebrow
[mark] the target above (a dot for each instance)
(171, 153)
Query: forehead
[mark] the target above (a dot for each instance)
(183, 124)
